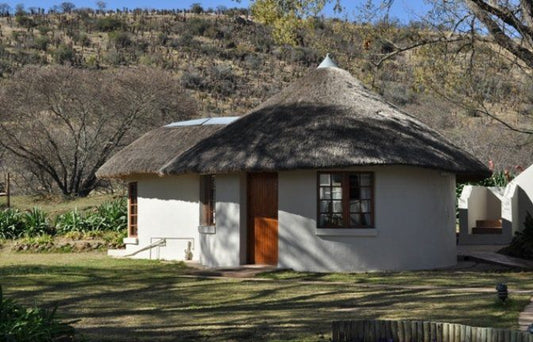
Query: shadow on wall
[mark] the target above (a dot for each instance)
(170, 188)
(525, 205)
(222, 248)
(303, 249)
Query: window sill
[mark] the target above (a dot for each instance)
(130, 241)
(347, 232)
(207, 229)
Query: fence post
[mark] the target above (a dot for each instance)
(8, 190)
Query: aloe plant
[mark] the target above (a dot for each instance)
(35, 324)
(11, 224)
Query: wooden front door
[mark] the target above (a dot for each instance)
(263, 218)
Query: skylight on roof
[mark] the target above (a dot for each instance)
(224, 120)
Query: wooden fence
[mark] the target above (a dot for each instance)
(420, 331)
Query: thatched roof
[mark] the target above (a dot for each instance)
(326, 119)
(156, 148)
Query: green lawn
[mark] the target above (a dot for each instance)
(133, 300)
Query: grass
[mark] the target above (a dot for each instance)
(142, 300)
(516, 280)
(57, 205)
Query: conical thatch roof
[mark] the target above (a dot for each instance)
(326, 119)
(156, 148)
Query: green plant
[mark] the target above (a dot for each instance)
(114, 215)
(522, 244)
(39, 240)
(30, 324)
(72, 221)
(110, 216)
(108, 24)
(36, 222)
(11, 224)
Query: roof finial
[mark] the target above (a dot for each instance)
(327, 63)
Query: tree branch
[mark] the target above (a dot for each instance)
(499, 36)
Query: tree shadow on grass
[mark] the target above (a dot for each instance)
(156, 303)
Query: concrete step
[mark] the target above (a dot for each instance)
(489, 223)
(487, 230)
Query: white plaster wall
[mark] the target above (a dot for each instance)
(524, 197)
(224, 247)
(477, 206)
(168, 207)
(414, 224)
(494, 206)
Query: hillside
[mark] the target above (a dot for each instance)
(228, 64)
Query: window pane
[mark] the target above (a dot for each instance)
(355, 206)
(337, 206)
(354, 180)
(336, 220)
(336, 179)
(365, 193)
(325, 206)
(366, 220)
(337, 193)
(323, 220)
(366, 179)
(354, 187)
(355, 219)
(365, 206)
(325, 179)
(325, 193)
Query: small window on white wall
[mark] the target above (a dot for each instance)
(207, 200)
(132, 209)
(345, 200)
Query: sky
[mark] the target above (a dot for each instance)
(404, 10)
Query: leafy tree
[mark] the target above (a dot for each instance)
(67, 7)
(101, 5)
(286, 16)
(456, 31)
(197, 8)
(64, 123)
(5, 9)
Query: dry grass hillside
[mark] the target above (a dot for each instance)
(229, 64)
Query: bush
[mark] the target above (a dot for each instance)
(36, 223)
(30, 324)
(11, 224)
(73, 221)
(109, 24)
(110, 216)
(15, 224)
(120, 39)
(41, 43)
(64, 54)
(522, 244)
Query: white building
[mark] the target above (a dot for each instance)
(324, 176)
(492, 216)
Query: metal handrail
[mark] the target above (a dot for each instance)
(158, 243)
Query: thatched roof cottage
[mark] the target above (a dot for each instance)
(324, 176)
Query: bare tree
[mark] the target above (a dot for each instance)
(65, 122)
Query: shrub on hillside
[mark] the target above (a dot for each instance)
(21, 324)
(522, 244)
(108, 24)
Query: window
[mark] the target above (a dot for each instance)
(207, 200)
(345, 200)
(132, 209)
